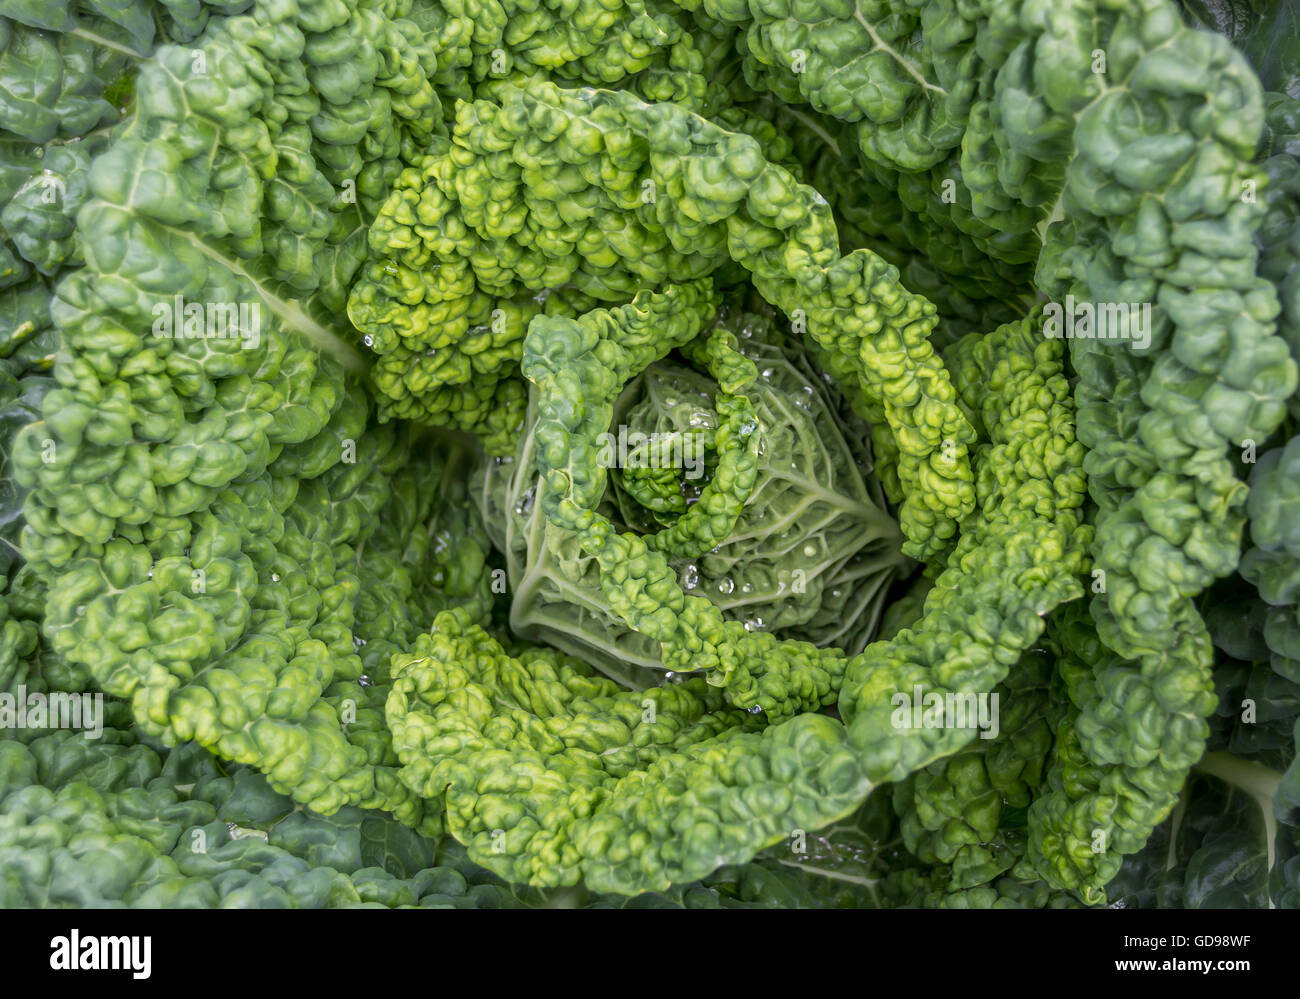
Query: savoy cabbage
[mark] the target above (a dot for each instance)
(476, 454)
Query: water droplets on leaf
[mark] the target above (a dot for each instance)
(726, 584)
(442, 540)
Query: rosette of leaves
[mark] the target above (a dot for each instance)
(813, 552)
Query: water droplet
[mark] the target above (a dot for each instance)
(365, 681)
(275, 577)
(747, 588)
(357, 642)
(370, 341)
(755, 710)
(766, 373)
(525, 503)
(725, 585)
(810, 549)
(753, 624)
(690, 577)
